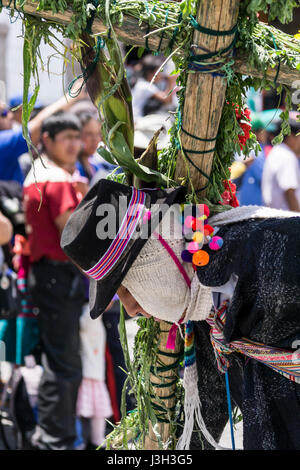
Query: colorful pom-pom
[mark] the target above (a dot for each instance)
(197, 228)
(186, 256)
(197, 225)
(146, 216)
(188, 221)
(200, 258)
(198, 237)
(208, 230)
(193, 247)
(216, 243)
(206, 210)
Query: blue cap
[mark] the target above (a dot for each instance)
(267, 120)
(16, 100)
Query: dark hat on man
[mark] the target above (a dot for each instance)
(107, 231)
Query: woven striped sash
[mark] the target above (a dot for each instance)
(283, 361)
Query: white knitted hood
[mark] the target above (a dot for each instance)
(156, 283)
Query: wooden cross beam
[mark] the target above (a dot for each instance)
(132, 34)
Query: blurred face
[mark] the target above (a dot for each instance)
(262, 136)
(6, 118)
(293, 141)
(64, 148)
(17, 115)
(90, 137)
(132, 307)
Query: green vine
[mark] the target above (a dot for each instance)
(134, 426)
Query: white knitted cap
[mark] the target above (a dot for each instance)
(156, 283)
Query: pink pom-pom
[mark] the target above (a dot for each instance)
(193, 247)
(216, 243)
(146, 216)
(188, 221)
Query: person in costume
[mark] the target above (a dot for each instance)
(247, 273)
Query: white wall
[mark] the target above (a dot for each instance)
(51, 89)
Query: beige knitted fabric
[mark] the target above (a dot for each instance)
(157, 285)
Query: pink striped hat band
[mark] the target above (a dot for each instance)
(124, 235)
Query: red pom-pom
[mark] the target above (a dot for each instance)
(197, 225)
(188, 221)
(206, 210)
(208, 230)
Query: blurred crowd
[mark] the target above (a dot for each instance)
(44, 315)
(272, 178)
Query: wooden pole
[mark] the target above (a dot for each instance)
(132, 34)
(204, 100)
(205, 94)
(151, 442)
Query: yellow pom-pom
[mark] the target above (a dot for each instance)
(198, 237)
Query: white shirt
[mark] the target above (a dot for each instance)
(281, 172)
(141, 92)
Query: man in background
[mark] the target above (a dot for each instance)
(56, 286)
(281, 174)
(144, 90)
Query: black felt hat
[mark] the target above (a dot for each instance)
(108, 229)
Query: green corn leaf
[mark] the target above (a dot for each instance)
(125, 159)
(106, 155)
(28, 105)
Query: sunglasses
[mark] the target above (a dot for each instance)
(4, 113)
